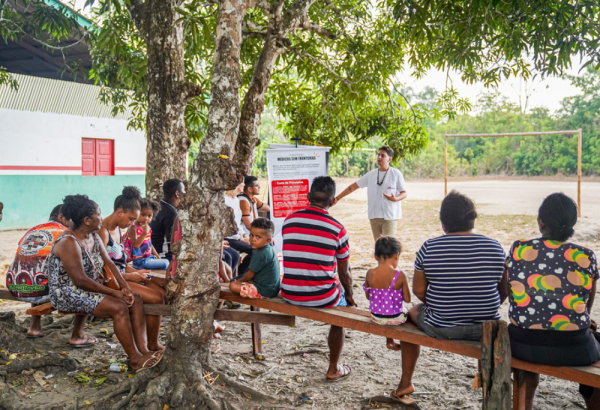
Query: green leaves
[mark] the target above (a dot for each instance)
(486, 41)
(342, 90)
(55, 27)
(8, 79)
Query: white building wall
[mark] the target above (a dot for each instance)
(50, 143)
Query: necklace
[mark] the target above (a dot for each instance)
(383, 179)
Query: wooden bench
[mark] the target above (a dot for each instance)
(264, 318)
(356, 319)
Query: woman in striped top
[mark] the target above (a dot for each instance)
(459, 278)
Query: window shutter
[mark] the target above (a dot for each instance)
(97, 157)
(105, 155)
(88, 157)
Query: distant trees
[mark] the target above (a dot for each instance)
(549, 155)
(546, 155)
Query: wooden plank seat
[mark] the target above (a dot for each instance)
(46, 308)
(356, 319)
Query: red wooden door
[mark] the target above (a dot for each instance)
(105, 157)
(97, 157)
(88, 157)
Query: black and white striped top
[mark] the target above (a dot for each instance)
(462, 272)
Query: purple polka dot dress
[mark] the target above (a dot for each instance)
(386, 305)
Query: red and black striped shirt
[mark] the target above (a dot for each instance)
(313, 242)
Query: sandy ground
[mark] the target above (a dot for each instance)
(442, 380)
(496, 197)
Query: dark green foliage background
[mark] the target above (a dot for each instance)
(492, 113)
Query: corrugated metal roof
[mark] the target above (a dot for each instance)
(56, 96)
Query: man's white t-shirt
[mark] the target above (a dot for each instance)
(380, 206)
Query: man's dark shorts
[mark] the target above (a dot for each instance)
(470, 332)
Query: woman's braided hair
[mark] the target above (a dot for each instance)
(77, 208)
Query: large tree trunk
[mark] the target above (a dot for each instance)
(168, 93)
(204, 217)
(226, 154)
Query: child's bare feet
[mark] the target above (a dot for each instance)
(390, 344)
(218, 329)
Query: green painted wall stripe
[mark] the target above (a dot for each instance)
(28, 199)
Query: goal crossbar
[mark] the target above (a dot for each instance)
(520, 134)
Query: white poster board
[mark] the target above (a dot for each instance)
(291, 171)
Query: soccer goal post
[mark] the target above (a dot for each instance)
(519, 134)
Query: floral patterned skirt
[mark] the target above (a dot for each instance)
(391, 321)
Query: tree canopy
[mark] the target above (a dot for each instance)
(335, 82)
(54, 28)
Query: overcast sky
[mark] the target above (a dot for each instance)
(546, 92)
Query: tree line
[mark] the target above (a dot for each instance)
(492, 113)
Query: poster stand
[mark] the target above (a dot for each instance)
(291, 170)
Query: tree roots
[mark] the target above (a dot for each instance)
(255, 394)
(48, 360)
(153, 391)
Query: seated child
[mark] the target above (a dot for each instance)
(386, 287)
(137, 242)
(262, 279)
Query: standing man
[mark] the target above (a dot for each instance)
(313, 243)
(249, 203)
(385, 189)
(173, 190)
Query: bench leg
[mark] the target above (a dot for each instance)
(519, 389)
(256, 336)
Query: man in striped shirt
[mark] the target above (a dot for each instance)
(314, 243)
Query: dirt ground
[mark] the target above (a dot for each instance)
(295, 362)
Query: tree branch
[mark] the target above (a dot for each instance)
(322, 64)
(189, 90)
(315, 28)
(264, 5)
(294, 16)
(338, 14)
(254, 34)
(252, 30)
(254, 103)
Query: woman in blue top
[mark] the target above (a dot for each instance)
(458, 278)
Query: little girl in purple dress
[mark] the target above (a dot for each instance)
(387, 288)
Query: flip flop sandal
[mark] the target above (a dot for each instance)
(85, 345)
(34, 336)
(402, 399)
(232, 305)
(151, 366)
(343, 376)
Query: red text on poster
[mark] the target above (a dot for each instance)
(289, 196)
